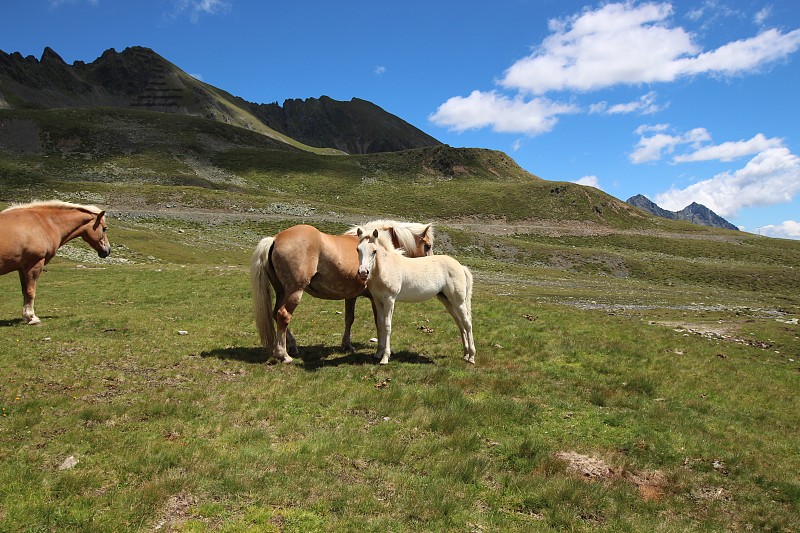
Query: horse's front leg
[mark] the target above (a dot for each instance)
(28, 279)
(387, 312)
(349, 318)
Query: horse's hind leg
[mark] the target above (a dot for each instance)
(462, 316)
(283, 315)
(28, 280)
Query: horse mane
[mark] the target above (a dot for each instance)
(55, 204)
(405, 232)
(383, 240)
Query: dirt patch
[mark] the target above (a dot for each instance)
(175, 512)
(650, 484)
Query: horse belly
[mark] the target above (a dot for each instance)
(336, 277)
(333, 287)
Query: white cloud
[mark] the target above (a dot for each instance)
(651, 148)
(380, 70)
(196, 8)
(771, 177)
(729, 151)
(789, 229)
(627, 43)
(590, 181)
(761, 17)
(504, 114)
(645, 105)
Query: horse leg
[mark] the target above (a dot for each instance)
(385, 331)
(283, 316)
(461, 316)
(349, 318)
(469, 341)
(377, 313)
(28, 281)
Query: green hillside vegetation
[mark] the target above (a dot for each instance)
(633, 373)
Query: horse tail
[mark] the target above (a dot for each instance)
(262, 292)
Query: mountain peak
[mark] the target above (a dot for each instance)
(139, 77)
(50, 56)
(694, 212)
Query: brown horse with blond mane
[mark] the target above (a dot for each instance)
(303, 259)
(30, 235)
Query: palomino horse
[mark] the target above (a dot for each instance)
(391, 277)
(30, 235)
(302, 258)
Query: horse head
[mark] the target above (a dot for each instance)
(367, 250)
(96, 234)
(424, 242)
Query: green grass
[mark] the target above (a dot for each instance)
(663, 349)
(197, 433)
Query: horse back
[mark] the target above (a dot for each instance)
(325, 265)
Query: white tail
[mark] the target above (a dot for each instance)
(262, 293)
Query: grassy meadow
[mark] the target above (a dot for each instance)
(621, 384)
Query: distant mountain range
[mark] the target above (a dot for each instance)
(140, 78)
(138, 105)
(695, 213)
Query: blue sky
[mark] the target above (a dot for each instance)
(679, 101)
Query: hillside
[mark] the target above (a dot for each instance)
(633, 373)
(138, 78)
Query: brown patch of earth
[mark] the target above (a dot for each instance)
(175, 513)
(649, 484)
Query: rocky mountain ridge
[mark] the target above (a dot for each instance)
(694, 212)
(139, 78)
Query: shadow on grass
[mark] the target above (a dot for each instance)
(316, 356)
(20, 321)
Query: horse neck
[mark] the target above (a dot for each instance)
(386, 260)
(69, 223)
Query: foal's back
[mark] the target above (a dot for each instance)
(425, 277)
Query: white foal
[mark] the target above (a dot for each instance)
(391, 277)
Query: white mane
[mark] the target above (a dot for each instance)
(56, 204)
(405, 232)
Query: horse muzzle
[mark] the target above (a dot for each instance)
(363, 273)
(104, 252)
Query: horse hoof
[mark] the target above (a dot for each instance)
(287, 360)
(35, 322)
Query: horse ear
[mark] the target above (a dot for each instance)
(375, 233)
(98, 219)
(359, 232)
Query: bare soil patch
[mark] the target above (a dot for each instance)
(650, 484)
